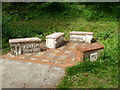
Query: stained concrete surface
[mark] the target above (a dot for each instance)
(18, 74)
(0, 74)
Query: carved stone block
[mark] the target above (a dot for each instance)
(25, 45)
(54, 40)
(81, 37)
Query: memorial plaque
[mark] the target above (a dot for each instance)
(93, 56)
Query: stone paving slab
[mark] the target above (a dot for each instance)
(18, 74)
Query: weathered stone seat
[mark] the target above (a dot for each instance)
(54, 40)
(81, 37)
(91, 51)
(25, 45)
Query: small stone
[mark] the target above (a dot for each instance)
(52, 55)
(30, 63)
(10, 55)
(63, 57)
(68, 51)
(63, 61)
(27, 58)
(39, 54)
(56, 62)
(61, 48)
(33, 58)
(73, 59)
(22, 57)
(56, 51)
(28, 54)
(44, 60)
(71, 47)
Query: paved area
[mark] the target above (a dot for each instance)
(18, 74)
(63, 56)
(37, 70)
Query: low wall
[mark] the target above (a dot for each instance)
(25, 45)
(54, 40)
(81, 37)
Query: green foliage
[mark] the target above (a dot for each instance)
(22, 20)
(105, 35)
(101, 11)
(22, 31)
(61, 10)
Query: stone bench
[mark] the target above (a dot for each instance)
(54, 40)
(91, 51)
(25, 45)
(81, 37)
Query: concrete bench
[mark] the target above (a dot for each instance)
(81, 37)
(25, 45)
(91, 51)
(54, 40)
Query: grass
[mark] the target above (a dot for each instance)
(90, 80)
(91, 75)
(102, 73)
